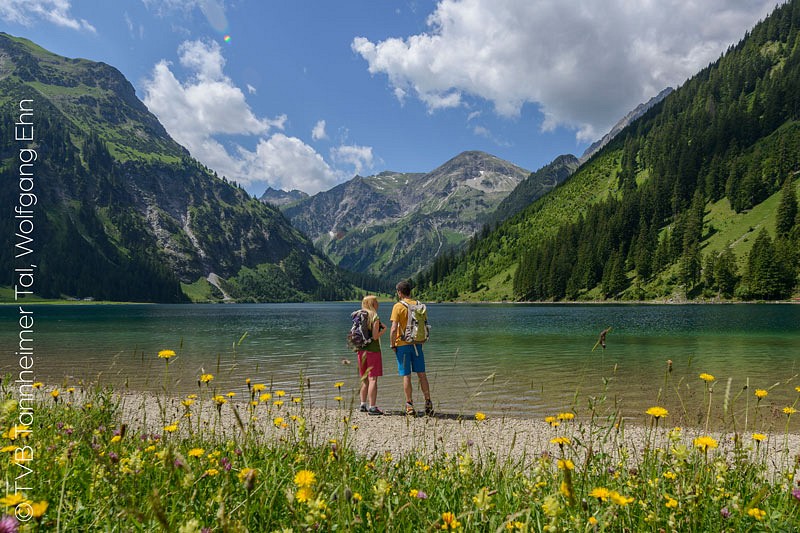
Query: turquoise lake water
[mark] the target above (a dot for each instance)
(522, 360)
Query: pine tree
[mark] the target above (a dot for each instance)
(787, 209)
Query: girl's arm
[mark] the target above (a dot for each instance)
(378, 329)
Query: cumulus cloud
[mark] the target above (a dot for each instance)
(27, 12)
(289, 164)
(201, 110)
(360, 157)
(319, 131)
(584, 63)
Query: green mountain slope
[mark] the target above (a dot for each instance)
(395, 224)
(675, 205)
(123, 212)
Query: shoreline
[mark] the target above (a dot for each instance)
(500, 438)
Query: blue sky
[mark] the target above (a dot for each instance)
(302, 94)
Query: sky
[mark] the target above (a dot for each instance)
(305, 94)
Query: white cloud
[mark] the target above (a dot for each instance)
(201, 110)
(57, 12)
(359, 157)
(584, 63)
(251, 89)
(319, 131)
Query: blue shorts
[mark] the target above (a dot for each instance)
(410, 359)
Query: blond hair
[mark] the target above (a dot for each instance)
(368, 304)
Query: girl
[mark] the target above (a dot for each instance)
(370, 364)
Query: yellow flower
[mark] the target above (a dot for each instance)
(339, 384)
(671, 502)
(413, 493)
(244, 473)
(278, 421)
(670, 475)
(303, 494)
(265, 397)
(761, 393)
(600, 493)
(357, 496)
(54, 393)
(171, 428)
(231, 394)
(705, 442)
(115, 438)
(592, 521)
(211, 472)
(789, 411)
(619, 499)
(796, 388)
(758, 437)
(166, 354)
(39, 385)
(280, 393)
(297, 399)
(19, 430)
(205, 378)
(12, 500)
(277, 403)
(258, 387)
(196, 452)
(305, 478)
(657, 412)
(757, 513)
(220, 400)
(566, 416)
(449, 521)
(561, 441)
(566, 464)
(706, 377)
(480, 417)
(338, 398)
(38, 508)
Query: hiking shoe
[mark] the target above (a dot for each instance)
(374, 411)
(428, 408)
(410, 410)
(363, 408)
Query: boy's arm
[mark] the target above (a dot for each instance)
(393, 335)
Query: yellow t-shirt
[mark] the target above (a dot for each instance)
(400, 315)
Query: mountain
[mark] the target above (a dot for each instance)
(123, 211)
(280, 198)
(536, 185)
(394, 224)
(697, 198)
(640, 110)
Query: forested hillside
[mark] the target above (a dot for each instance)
(697, 198)
(123, 212)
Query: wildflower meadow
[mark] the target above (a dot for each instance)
(95, 459)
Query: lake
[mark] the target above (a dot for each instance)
(515, 359)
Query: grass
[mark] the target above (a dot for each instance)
(210, 467)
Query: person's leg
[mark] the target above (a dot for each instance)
(423, 384)
(404, 362)
(373, 391)
(362, 363)
(418, 366)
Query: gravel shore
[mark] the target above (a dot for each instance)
(514, 439)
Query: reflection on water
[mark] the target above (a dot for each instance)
(524, 360)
